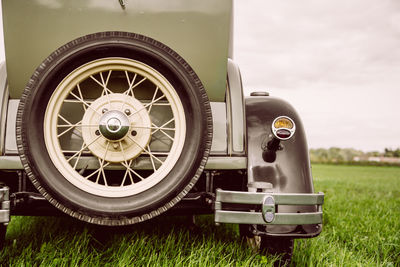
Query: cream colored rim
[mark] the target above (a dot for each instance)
(131, 181)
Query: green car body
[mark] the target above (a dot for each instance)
(199, 31)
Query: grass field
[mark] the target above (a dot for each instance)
(361, 228)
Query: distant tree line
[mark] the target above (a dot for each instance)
(392, 153)
(350, 155)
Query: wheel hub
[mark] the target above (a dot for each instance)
(114, 125)
(116, 136)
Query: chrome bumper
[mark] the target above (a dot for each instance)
(265, 211)
(4, 205)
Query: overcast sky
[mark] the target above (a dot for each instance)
(337, 62)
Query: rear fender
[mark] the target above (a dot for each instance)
(291, 171)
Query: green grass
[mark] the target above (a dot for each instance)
(361, 228)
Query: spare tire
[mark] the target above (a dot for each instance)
(114, 128)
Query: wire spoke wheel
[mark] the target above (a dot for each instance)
(114, 128)
(123, 112)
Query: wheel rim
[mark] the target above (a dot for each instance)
(114, 127)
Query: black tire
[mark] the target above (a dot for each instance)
(102, 209)
(269, 245)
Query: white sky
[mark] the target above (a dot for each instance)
(337, 62)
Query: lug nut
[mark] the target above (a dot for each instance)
(134, 133)
(97, 132)
(127, 112)
(115, 146)
(104, 110)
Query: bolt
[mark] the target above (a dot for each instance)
(104, 110)
(115, 145)
(97, 132)
(134, 133)
(127, 112)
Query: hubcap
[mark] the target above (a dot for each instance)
(114, 125)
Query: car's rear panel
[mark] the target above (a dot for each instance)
(197, 30)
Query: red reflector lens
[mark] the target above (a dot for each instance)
(283, 133)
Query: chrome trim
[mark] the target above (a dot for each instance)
(280, 198)
(226, 163)
(243, 217)
(219, 144)
(267, 203)
(292, 130)
(10, 139)
(5, 205)
(10, 163)
(235, 109)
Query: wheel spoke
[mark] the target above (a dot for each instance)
(80, 95)
(127, 169)
(161, 104)
(79, 156)
(161, 140)
(84, 102)
(126, 174)
(154, 96)
(167, 135)
(77, 101)
(71, 126)
(144, 149)
(133, 86)
(108, 77)
(103, 84)
(64, 119)
(151, 159)
(154, 128)
(80, 125)
(160, 153)
(130, 84)
(105, 89)
(102, 165)
(130, 170)
(159, 128)
(95, 172)
(145, 106)
(127, 166)
(83, 148)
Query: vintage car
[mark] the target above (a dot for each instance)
(114, 112)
